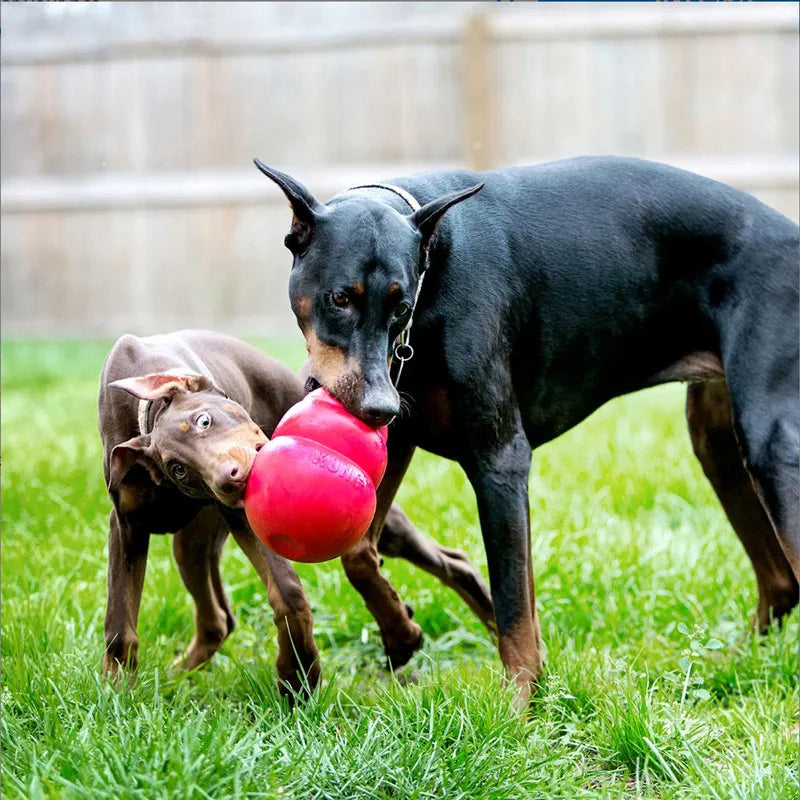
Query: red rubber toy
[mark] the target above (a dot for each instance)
(311, 491)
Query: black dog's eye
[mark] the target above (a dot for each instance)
(401, 310)
(178, 471)
(340, 299)
(202, 420)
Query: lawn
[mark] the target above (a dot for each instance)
(652, 689)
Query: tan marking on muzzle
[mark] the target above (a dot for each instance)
(238, 446)
(328, 364)
(244, 435)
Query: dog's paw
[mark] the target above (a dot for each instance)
(119, 675)
(399, 652)
(194, 657)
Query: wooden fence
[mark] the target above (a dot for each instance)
(128, 198)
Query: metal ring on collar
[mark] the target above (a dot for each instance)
(403, 351)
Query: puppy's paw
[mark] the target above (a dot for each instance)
(399, 649)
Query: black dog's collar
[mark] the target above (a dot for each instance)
(403, 351)
(390, 187)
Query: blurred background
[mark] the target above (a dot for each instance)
(129, 200)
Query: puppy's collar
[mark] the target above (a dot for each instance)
(146, 406)
(144, 416)
(390, 187)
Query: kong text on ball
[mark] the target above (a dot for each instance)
(311, 491)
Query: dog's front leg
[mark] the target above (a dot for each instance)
(298, 664)
(127, 560)
(197, 548)
(500, 481)
(400, 635)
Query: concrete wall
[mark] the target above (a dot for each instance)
(129, 202)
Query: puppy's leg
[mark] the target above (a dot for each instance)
(298, 658)
(197, 549)
(401, 636)
(711, 429)
(216, 578)
(127, 560)
(500, 481)
(400, 539)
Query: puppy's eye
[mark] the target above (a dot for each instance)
(202, 420)
(178, 471)
(340, 299)
(401, 310)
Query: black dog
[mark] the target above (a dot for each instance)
(558, 288)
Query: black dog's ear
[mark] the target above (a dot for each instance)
(427, 218)
(305, 206)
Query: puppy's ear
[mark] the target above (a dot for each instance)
(427, 218)
(125, 455)
(162, 384)
(305, 207)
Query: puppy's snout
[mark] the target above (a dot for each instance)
(232, 476)
(311, 384)
(259, 446)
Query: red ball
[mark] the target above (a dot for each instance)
(322, 418)
(311, 491)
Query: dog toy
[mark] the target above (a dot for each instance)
(311, 491)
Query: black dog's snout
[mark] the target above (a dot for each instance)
(377, 416)
(380, 404)
(311, 384)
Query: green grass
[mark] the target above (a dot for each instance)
(651, 689)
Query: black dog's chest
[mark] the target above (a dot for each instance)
(450, 422)
(429, 420)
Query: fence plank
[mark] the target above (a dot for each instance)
(479, 83)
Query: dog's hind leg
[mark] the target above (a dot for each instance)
(298, 663)
(711, 428)
(401, 636)
(197, 548)
(400, 539)
(127, 560)
(760, 358)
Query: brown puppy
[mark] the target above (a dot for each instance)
(181, 417)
